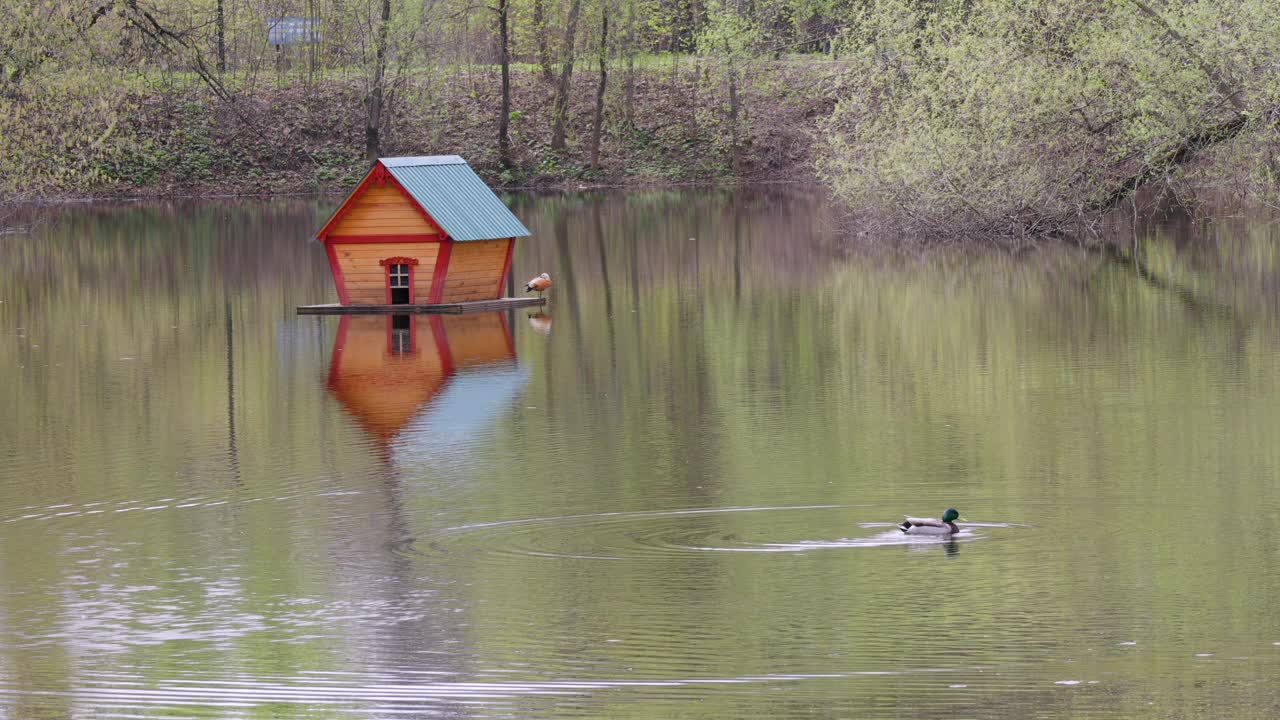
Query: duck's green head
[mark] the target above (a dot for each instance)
(951, 515)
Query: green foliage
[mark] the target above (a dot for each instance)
(727, 31)
(1009, 115)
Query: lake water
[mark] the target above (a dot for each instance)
(669, 495)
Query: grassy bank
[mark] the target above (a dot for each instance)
(134, 135)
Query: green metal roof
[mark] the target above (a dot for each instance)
(456, 198)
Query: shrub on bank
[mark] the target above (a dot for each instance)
(1034, 117)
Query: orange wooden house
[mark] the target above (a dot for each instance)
(420, 230)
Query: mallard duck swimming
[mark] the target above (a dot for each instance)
(930, 526)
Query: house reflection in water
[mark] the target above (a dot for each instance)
(405, 375)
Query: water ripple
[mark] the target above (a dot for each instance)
(635, 535)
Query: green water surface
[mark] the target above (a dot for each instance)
(670, 494)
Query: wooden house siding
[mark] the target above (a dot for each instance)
(475, 270)
(366, 279)
(382, 210)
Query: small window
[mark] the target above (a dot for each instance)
(398, 280)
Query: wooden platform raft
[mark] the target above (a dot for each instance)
(432, 309)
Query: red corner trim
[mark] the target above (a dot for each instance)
(336, 269)
(506, 267)
(379, 175)
(442, 344)
(347, 204)
(441, 271)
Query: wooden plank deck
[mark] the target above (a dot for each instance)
(442, 308)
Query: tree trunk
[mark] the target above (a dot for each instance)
(222, 39)
(373, 127)
(560, 112)
(504, 112)
(735, 159)
(313, 18)
(597, 126)
(540, 30)
(629, 102)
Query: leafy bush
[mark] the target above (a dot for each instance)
(1014, 117)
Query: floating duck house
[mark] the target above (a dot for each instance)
(420, 231)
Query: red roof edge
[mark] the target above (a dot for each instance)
(379, 174)
(345, 207)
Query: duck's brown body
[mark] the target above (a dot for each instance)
(538, 284)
